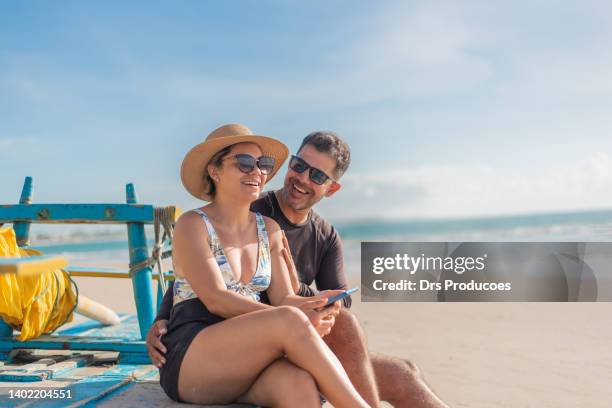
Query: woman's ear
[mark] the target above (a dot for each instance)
(213, 172)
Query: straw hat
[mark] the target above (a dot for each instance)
(195, 161)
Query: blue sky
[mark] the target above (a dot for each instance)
(451, 108)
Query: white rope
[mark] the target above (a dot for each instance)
(163, 217)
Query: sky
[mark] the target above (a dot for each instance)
(452, 109)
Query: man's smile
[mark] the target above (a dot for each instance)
(298, 189)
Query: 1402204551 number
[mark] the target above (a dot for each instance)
(40, 393)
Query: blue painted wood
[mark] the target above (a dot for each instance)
(94, 327)
(141, 280)
(127, 329)
(124, 338)
(22, 229)
(77, 213)
(134, 358)
(40, 372)
(160, 297)
(22, 233)
(90, 390)
(5, 329)
(56, 342)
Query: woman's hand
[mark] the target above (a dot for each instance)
(322, 318)
(286, 252)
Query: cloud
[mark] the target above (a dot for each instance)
(463, 78)
(414, 51)
(402, 53)
(16, 145)
(473, 190)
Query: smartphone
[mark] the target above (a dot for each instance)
(342, 295)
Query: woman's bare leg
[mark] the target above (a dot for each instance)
(224, 360)
(283, 384)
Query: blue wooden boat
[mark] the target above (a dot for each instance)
(87, 364)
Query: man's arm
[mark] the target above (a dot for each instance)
(155, 347)
(306, 291)
(331, 273)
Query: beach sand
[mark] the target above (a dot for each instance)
(477, 354)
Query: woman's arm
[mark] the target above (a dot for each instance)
(280, 291)
(193, 258)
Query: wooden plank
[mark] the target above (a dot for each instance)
(92, 327)
(134, 358)
(141, 281)
(50, 341)
(92, 272)
(45, 369)
(77, 213)
(32, 265)
(24, 356)
(90, 336)
(92, 389)
(22, 229)
(26, 368)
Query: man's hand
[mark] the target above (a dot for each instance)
(155, 347)
(322, 318)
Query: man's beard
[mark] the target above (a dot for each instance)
(306, 203)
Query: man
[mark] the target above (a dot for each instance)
(314, 173)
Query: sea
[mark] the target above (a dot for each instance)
(110, 246)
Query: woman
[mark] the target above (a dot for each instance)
(224, 345)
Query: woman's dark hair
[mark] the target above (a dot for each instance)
(216, 161)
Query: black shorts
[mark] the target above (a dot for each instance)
(177, 342)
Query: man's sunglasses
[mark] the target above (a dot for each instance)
(246, 163)
(317, 176)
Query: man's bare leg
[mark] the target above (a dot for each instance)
(347, 341)
(401, 384)
(378, 377)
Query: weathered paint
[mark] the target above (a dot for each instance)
(142, 279)
(94, 388)
(5, 330)
(124, 339)
(45, 369)
(77, 213)
(55, 342)
(160, 296)
(95, 328)
(22, 232)
(22, 229)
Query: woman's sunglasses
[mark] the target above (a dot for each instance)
(298, 165)
(246, 163)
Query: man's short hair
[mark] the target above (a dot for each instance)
(331, 143)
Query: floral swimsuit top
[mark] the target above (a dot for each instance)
(259, 282)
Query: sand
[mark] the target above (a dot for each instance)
(478, 354)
